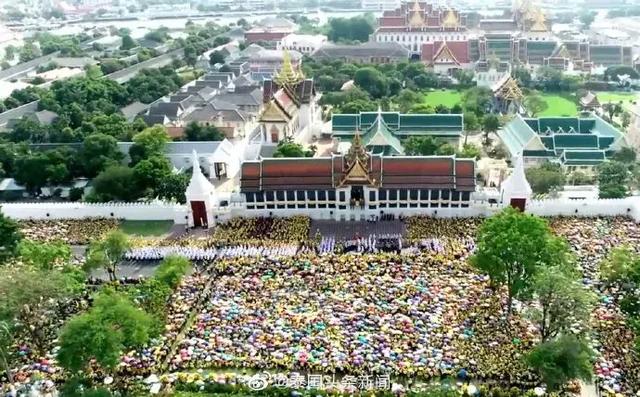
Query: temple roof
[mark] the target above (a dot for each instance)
(566, 139)
(324, 173)
(380, 135)
(401, 125)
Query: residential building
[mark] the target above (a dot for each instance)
(576, 143)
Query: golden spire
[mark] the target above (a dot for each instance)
(287, 74)
(539, 22)
(416, 7)
(357, 163)
(451, 20)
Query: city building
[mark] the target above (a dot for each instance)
(576, 143)
(303, 43)
(379, 5)
(369, 52)
(382, 132)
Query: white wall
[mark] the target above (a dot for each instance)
(130, 211)
(179, 213)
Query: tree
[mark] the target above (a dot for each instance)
(173, 187)
(625, 119)
(587, 18)
(10, 238)
(626, 155)
(445, 149)
(469, 151)
(490, 123)
(406, 99)
(357, 106)
(113, 325)
(471, 123)
(562, 301)
(372, 81)
(511, 248)
(107, 253)
(561, 360)
(422, 145)
(30, 172)
(621, 266)
(115, 183)
(29, 130)
(535, 104)
(128, 43)
(150, 172)
(216, 57)
(190, 55)
(477, 100)
(421, 108)
(196, 132)
(44, 255)
(172, 269)
(349, 29)
(613, 179)
(99, 151)
(545, 177)
(523, 76)
(288, 148)
(612, 109)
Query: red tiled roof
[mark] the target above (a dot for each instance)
(327, 173)
(392, 21)
(427, 53)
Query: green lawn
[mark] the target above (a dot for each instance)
(146, 228)
(448, 98)
(617, 96)
(558, 105)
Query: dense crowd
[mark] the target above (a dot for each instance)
(293, 229)
(618, 366)
(277, 298)
(74, 232)
(369, 313)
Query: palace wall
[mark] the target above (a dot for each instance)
(179, 213)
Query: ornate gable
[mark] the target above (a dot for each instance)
(273, 112)
(445, 56)
(357, 168)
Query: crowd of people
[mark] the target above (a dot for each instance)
(293, 229)
(279, 298)
(74, 232)
(617, 368)
(369, 313)
(153, 253)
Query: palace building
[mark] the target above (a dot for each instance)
(289, 103)
(357, 184)
(382, 132)
(440, 38)
(576, 143)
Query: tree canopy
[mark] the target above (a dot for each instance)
(512, 247)
(545, 177)
(561, 360)
(613, 180)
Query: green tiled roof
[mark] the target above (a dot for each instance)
(569, 139)
(378, 134)
(582, 141)
(586, 157)
(400, 124)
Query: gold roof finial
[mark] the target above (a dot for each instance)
(539, 22)
(287, 74)
(450, 20)
(416, 6)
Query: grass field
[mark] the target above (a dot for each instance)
(615, 96)
(146, 228)
(448, 98)
(558, 105)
